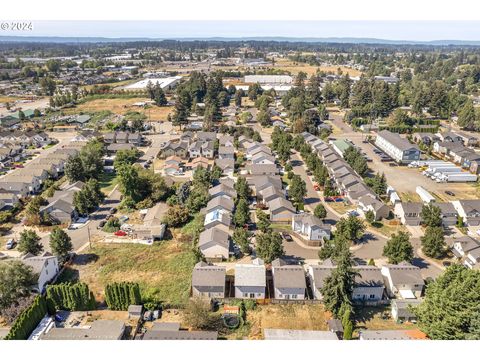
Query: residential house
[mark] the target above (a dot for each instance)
(401, 309)
(289, 334)
(270, 193)
(281, 210)
(226, 152)
(97, 330)
(262, 169)
(226, 140)
(262, 158)
(392, 335)
(250, 280)
(20, 188)
(397, 147)
(179, 148)
(462, 246)
(369, 285)
(218, 217)
(288, 281)
(8, 200)
(171, 331)
(220, 203)
(369, 203)
(313, 229)
(469, 210)
(222, 190)
(45, 266)
(403, 280)
(208, 281)
(227, 166)
(214, 243)
(409, 212)
(317, 275)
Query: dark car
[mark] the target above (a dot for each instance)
(287, 236)
(113, 210)
(101, 224)
(450, 193)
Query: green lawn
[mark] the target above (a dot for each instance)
(107, 182)
(194, 226)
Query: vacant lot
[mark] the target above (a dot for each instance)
(295, 68)
(163, 270)
(290, 316)
(121, 106)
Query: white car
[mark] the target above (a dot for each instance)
(10, 244)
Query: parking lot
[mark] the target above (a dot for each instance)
(405, 180)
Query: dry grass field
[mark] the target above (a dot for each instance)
(121, 106)
(163, 269)
(371, 318)
(295, 68)
(289, 316)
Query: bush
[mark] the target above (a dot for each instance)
(119, 296)
(72, 297)
(28, 320)
(112, 225)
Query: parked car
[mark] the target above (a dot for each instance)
(450, 193)
(113, 210)
(352, 213)
(101, 224)
(10, 244)
(287, 236)
(123, 218)
(120, 233)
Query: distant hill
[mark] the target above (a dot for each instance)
(333, 40)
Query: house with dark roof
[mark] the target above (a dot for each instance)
(469, 210)
(262, 169)
(208, 281)
(397, 147)
(370, 203)
(401, 309)
(317, 275)
(220, 203)
(281, 210)
(172, 331)
(222, 190)
(214, 243)
(288, 281)
(369, 285)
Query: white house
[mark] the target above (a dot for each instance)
(397, 147)
(311, 227)
(45, 265)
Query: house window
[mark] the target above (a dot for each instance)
(372, 296)
(252, 295)
(294, 296)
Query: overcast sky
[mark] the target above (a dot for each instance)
(389, 30)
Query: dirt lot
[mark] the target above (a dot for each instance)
(290, 316)
(121, 106)
(163, 270)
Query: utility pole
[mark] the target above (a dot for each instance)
(89, 239)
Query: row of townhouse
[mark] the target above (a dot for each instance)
(347, 182)
(215, 241)
(409, 213)
(29, 180)
(123, 137)
(372, 284)
(192, 145)
(457, 152)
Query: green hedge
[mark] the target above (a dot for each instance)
(72, 297)
(120, 295)
(28, 320)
